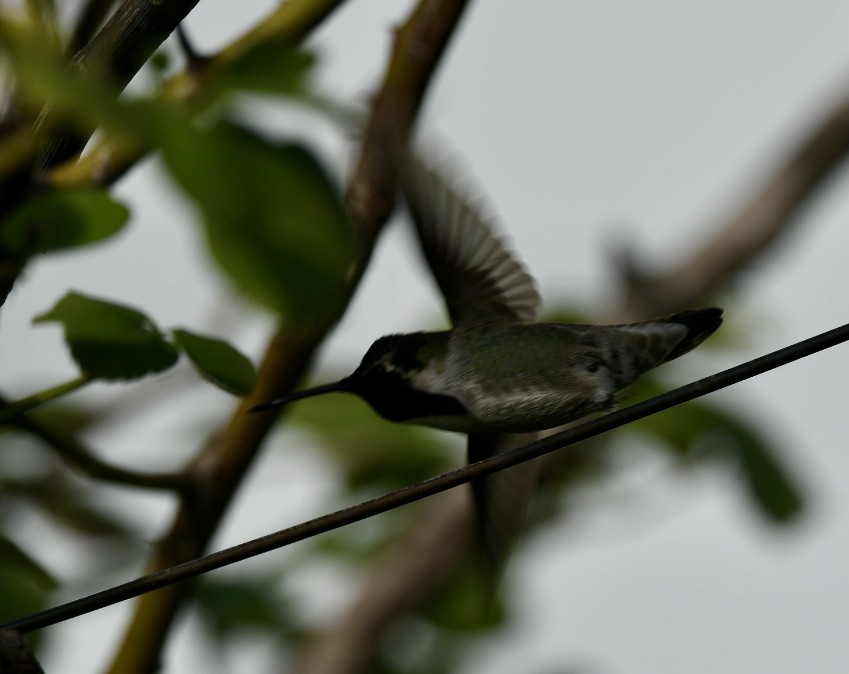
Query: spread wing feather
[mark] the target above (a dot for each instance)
(480, 278)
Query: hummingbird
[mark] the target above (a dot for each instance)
(497, 372)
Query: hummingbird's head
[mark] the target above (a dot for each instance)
(382, 364)
(392, 356)
(384, 378)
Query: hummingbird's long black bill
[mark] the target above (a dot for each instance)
(341, 385)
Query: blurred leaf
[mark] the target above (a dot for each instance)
(24, 583)
(412, 645)
(273, 220)
(68, 505)
(698, 427)
(65, 416)
(42, 78)
(110, 341)
(466, 601)
(21, 596)
(234, 605)
(374, 453)
(567, 314)
(218, 362)
(270, 67)
(64, 219)
(160, 61)
(73, 510)
(770, 485)
(14, 557)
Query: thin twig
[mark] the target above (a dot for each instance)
(435, 485)
(290, 23)
(79, 456)
(9, 411)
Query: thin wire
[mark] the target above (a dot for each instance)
(420, 490)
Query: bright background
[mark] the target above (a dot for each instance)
(587, 124)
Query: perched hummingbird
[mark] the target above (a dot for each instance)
(497, 372)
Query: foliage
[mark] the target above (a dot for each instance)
(63, 220)
(114, 342)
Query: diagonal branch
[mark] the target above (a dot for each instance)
(114, 55)
(78, 455)
(761, 223)
(91, 16)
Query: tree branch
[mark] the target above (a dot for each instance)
(760, 224)
(114, 55)
(9, 411)
(91, 16)
(419, 45)
(290, 23)
(81, 457)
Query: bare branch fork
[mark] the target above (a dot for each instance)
(435, 485)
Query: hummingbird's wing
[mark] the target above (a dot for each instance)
(482, 282)
(480, 279)
(502, 500)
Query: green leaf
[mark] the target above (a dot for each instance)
(218, 362)
(110, 341)
(273, 220)
(63, 220)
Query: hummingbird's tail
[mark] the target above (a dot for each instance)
(636, 348)
(700, 324)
